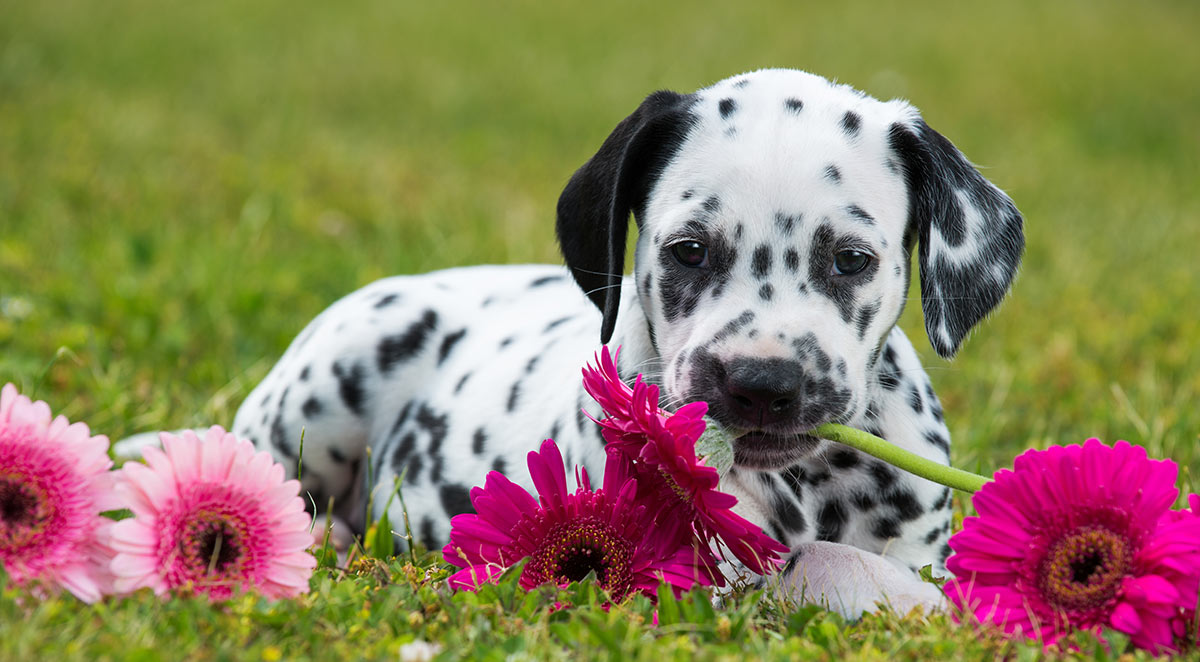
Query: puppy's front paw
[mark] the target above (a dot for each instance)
(851, 581)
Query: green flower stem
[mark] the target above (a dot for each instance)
(958, 479)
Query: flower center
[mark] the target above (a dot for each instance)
(23, 512)
(675, 487)
(1084, 568)
(573, 549)
(210, 544)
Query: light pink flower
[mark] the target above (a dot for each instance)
(1076, 537)
(662, 446)
(566, 535)
(213, 516)
(54, 483)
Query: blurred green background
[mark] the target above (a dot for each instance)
(184, 185)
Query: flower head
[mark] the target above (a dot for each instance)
(662, 447)
(566, 535)
(54, 483)
(1075, 537)
(213, 515)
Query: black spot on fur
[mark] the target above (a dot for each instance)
(906, 505)
(785, 223)
(860, 214)
(507, 341)
(794, 477)
(387, 300)
(428, 538)
(851, 123)
(794, 105)
(456, 499)
(886, 528)
(311, 407)
(938, 441)
(513, 394)
(833, 174)
(830, 520)
(731, 328)
(402, 451)
(687, 195)
(883, 474)
(448, 344)
(337, 455)
(933, 535)
(545, 280)
(914, 399)
(726, 106)
(791, 260)
(866, 315)
(712, 204)
(556, 323)
(789, 514)
(350, 385)
(765, 292)
(478, 441)
(760, 261)
(413, 470)
(402, 418)
(401, 347)
(741, 82)
(305, 372)
(863, 501)
(843, 458)
(499, 465)
(461, 382)
(943, 501)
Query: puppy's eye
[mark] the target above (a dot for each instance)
(850, 262)
(690, 253)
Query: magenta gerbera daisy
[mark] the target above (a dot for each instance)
(564, 535)
(213, 516)
(54, 483)
(662, 446)
(1075, 537)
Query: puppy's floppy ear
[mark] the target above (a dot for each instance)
(593, 210)
(970, 234)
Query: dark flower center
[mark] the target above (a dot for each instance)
(17, 502)
(573, 549)
(26, 513)
(211, 545)
(1083, 569)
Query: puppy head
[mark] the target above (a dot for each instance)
(777, 213)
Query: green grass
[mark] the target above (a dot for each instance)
(184, 185)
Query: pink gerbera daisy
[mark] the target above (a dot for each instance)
(567, 535)
(663, 448)
(1075, 537)
(54, 483)
(214, 516)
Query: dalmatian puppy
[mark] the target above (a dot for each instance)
(776, 215)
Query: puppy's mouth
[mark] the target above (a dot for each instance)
(762, 450)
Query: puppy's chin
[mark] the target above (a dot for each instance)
(763, 451)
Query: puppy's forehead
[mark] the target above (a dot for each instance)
(787, 141)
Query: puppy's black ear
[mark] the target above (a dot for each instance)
(593, 211)
(970, 234)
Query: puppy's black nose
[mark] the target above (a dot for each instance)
(763, 391)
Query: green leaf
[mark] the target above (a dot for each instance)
(383, 544)
(668, 606)
(715, 445)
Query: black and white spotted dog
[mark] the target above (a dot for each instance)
(777, 213)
